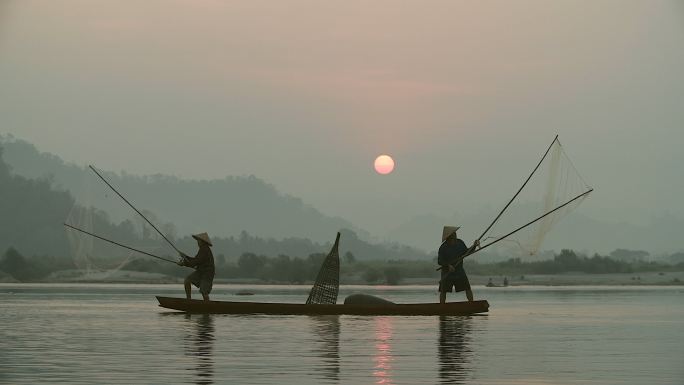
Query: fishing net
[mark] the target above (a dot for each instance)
(553, 190)
(327, 285)
(82, 246)
(91, 256)
(97, 259)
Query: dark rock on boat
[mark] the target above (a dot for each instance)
(366, 299)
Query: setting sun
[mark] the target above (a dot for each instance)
(384, 164)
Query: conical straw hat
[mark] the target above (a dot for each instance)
(448, 230)
(204, 237)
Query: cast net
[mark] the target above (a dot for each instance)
(95, 259)
(553, 190)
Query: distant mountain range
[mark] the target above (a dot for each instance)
(659, 235)
(222, 207)
(248, 214)
(236, 204)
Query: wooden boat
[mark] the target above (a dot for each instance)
(228, 307)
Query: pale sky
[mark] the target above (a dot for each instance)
(465, 95)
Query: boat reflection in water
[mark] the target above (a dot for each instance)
(200, 345)
(382, 371)
(326, 328)
(454, 349)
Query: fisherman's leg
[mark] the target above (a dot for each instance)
(442, 297)
(206, 283)
(469, 293)
(188, 286)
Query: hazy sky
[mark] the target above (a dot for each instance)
(465, 95)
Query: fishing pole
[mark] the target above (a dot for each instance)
(536, 219)
(136, 210)
(519, 190)
(117, 243)
(523, 226)
(514, 196)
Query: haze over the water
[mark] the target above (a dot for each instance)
(465, 96)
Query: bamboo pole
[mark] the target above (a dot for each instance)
(117, 243)
(136, 210)
(519, 190)
(523, 226)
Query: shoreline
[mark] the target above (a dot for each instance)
(565, 279)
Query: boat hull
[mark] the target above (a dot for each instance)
(229, 307)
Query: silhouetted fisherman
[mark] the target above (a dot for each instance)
(449, 257)
(203, 262)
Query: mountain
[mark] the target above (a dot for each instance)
(660, 235)
(31, 214)
(223, 207)
(242, 214)
(236, 205)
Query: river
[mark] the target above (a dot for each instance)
(110, 333)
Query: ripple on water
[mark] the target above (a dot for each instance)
(116, 334)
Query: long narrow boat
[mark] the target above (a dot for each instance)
(227, 307)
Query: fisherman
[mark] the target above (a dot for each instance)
(203, 262)
(450, 258)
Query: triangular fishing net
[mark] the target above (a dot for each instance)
(96, 259)
(327, 285)
(553, 190)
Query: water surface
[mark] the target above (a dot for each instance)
(85, 334)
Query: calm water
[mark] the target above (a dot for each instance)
(117, 334)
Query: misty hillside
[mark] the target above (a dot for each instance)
(32, 212)
(36, 201)
(228, 207)
(659, 235)
(224, 207)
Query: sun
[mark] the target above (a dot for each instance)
(384, 164)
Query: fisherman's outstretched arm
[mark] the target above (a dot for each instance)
(198, 259)
(473, 248)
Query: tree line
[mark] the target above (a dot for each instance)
(35, 244)
(301, 270)
(32, 212)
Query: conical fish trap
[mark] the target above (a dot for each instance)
(327, 285)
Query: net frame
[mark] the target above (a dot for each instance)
(562, 207)
(327, 285)
(564, 189)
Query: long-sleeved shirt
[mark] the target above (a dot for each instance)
(451, 255)
(203, 261)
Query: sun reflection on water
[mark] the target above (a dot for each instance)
(383, 351)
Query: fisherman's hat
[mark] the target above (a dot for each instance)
(448, 230)
(204, 237)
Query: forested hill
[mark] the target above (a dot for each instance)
(32, 211)
(300, 247)
(223, 207)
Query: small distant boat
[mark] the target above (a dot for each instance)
(413, 309)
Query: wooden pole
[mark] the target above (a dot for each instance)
(117, 243)
(523, 226)
(136, 210)
(519, 190)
